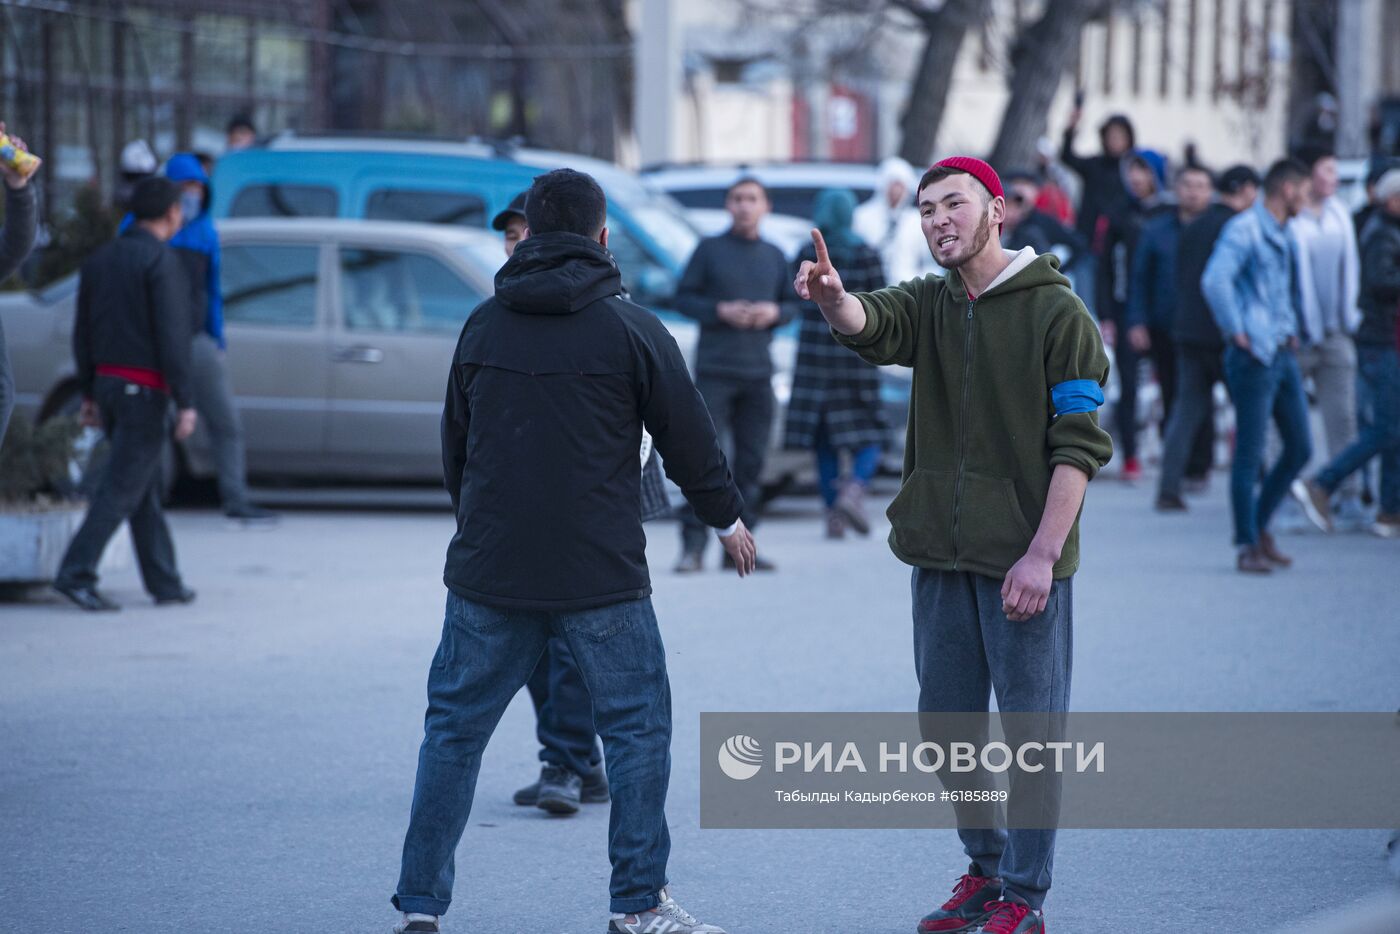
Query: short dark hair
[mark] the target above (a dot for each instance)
(1189, 167)
(152, 197)
(1311, 155)
(1282, 172)
(745, 180)
(939, 172)
(1235, 178)
(240, 122)
(565, 201)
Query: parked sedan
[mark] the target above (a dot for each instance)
(340, 334)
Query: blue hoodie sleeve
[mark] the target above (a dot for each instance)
(214, 320)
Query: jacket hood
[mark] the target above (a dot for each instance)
(1028, 270)
(557, 274)
(184, 167)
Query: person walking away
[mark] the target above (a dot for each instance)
(1003, 440)
(1152, 300)
(131, 342)
(835, 405)
(16, 240)
(197, 245)
(1329, 289)
(1249, 284)
(550, 386)
(736, 287)
(1198, 346)
(1378, 351)
(888, 222)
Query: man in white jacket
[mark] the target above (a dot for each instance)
(889, 223)
(1329, 285)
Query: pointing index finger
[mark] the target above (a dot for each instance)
(820, 244)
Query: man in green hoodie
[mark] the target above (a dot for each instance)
(1003, 439)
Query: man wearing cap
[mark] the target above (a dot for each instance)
(1197, 339)
(131, 341)
(511, 222)
(1003, 438)
(571, 769)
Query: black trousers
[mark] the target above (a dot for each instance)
(742, 410)
(563, 711)
(137, 422)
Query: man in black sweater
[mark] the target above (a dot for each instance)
(1196, 336)
(736, 285)
(551, 384)
(131, 340)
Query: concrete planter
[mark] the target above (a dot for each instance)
(32, 543)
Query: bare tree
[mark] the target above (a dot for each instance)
(944, 28)
(1044, 49)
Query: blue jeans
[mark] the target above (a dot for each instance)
(484, 658)
(964, 648)
(563, 711)
(1260, 391)
(864, 463)
(1379, 368)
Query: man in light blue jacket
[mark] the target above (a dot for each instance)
(1251, 284)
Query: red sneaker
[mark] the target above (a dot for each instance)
(1013, 917)
(971, 904)
(1132, 470)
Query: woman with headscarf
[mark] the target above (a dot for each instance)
(835, 403)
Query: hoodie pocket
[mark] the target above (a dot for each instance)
(992, 529)
(921, 516)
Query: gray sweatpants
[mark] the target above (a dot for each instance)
(213, 399)
(965, 648)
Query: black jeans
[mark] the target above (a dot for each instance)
(563, 711)
(137, 423)
(743, 410)
(1189, 446)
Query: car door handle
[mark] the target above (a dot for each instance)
(358, 354)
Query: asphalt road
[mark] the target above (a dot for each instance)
(246, 764)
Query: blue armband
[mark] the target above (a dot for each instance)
(1076, 395)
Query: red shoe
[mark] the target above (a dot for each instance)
(1132, 470)
(1013, 917)
(971, 904)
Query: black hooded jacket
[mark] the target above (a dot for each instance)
(552, 381)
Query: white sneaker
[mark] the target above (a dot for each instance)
(666, 918)
(414, 923)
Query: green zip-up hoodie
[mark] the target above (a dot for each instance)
(983, 435)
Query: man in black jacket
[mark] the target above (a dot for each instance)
(1197, 338)
(131, 340)
(736, 287)
(551, 384)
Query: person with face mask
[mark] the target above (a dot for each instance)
(197, 246)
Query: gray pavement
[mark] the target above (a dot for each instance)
(246, 764)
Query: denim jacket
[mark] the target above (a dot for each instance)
(1251, 282)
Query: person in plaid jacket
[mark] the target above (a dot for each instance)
(835, 404)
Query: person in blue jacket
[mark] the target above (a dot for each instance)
(197, 246)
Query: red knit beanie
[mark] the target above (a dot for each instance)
(978, 169)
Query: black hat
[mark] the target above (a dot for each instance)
(516, 208)
(152, 197)
(1236, 177)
